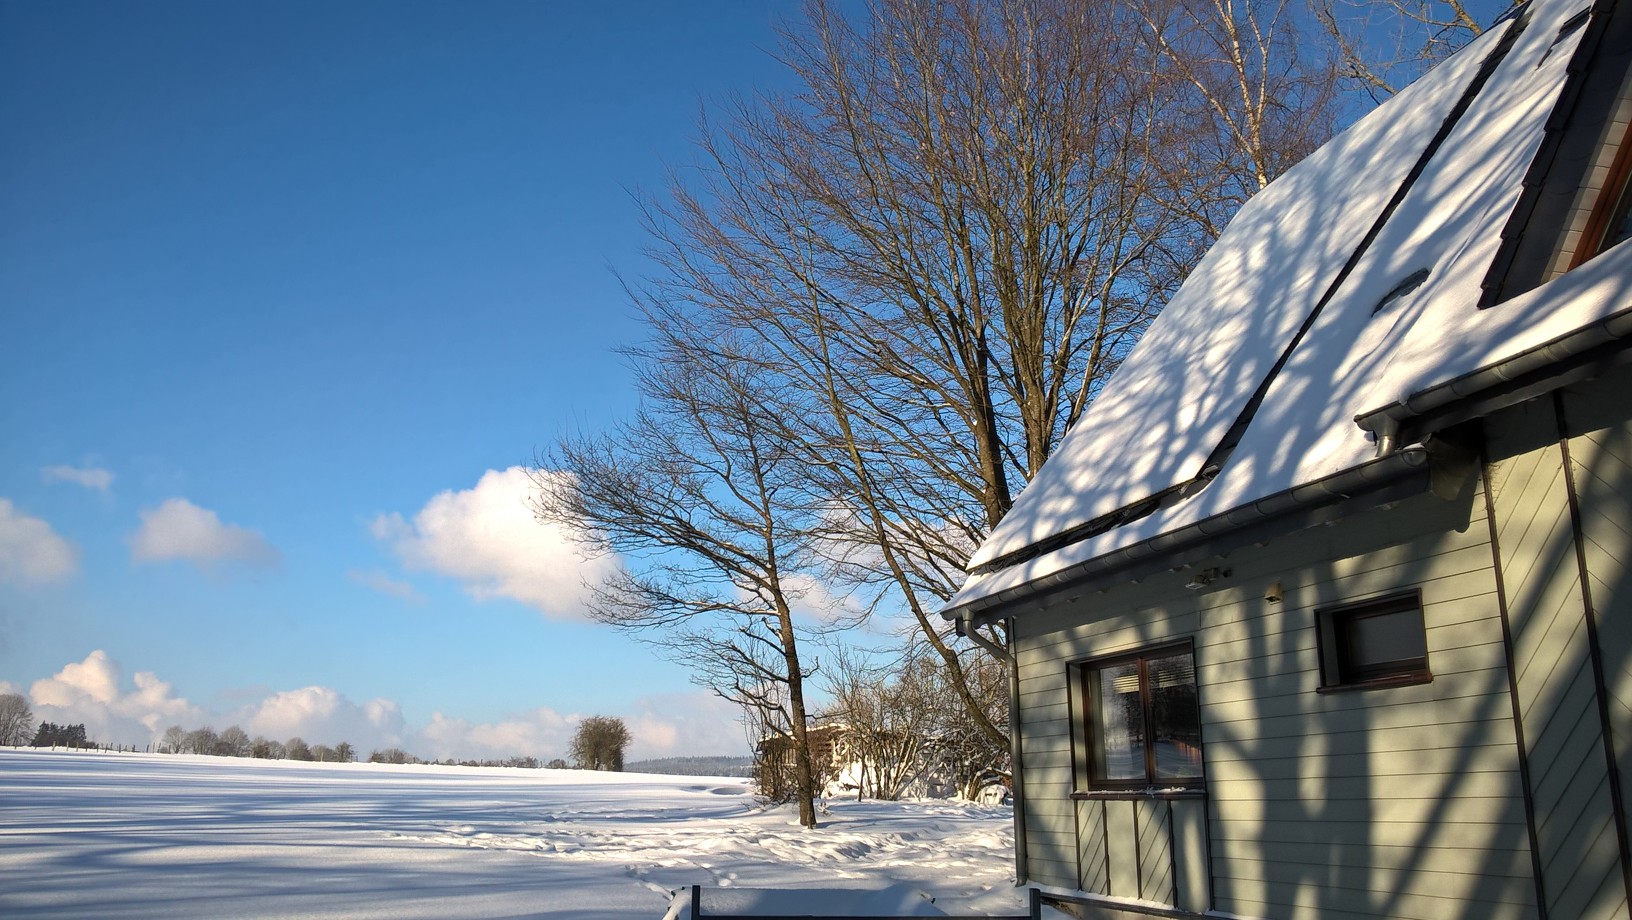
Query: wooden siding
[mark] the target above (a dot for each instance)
(1310, 812)
(1558, 702)
(1601, 460)
(1148, 849)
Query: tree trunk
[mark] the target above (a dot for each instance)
(804, 775)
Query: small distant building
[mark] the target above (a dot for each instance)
(774, 759)
(1323, 609)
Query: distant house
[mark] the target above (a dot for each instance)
(774, 756)
(1323, 609)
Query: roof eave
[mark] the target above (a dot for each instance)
(1406, 467)
(1580, 355)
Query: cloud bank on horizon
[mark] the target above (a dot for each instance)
(93, 691)
(483, 538)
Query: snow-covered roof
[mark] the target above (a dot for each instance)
(1167, 410)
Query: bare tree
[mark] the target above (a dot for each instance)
(958, 748)
(296, 749)
(201, 741)
(1384, 44)
(901, 722)
(703, 495)
(599, 743)
(1257, 99)
(947, 240)
(233, 742)
(392, 755)
(883, 721)
(16, 720)
(174, 740)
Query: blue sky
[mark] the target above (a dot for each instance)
(285, 289)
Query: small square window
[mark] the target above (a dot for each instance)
(1377, 643)
(1143, 720)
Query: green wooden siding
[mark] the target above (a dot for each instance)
(1563, 726)
(1392, 803)
(1407, 802)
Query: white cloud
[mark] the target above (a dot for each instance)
(322, 715)
(93, 692)
(179, 529)
(487, 538)
(695, 724)
(90, 477)
(30, 551)
(682, 724)
(385, 584)
(816, 600)
(542, 733)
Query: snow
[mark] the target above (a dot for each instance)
(1168, 406)
(93, 835)
(1353, 360)
(1471, 339)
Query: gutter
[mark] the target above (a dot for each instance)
(968, 629)
(1580, 355)
(1391, 469)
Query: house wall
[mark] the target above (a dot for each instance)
(1600, 452)
(1418, 801)
(1403, 802)
(1556, 671)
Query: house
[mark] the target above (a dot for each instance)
(1323, 608)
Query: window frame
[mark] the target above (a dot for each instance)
(1085, 723)
(1612, 199)
(1340, 673)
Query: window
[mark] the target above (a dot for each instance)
(1410, 283)
(1575, 200)
(1376, 643)
(1609, 221)
(1143, 720)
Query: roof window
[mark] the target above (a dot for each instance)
(1408, 284)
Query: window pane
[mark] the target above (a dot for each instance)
(1175, 716)
(1370, 641)
(1120, 740)
(1620, 220)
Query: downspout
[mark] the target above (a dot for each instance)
(967, 629)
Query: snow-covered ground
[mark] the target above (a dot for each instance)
(136, 835)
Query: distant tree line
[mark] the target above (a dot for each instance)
(50, 734)
(233, 741)
(723, 765)
(398, 755)
(598, 744)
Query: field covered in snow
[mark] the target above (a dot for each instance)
(139, 835)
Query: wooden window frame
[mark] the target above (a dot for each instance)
(1610, 201)
(1084, 724)
(1338, 673)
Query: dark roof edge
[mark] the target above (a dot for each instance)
(1531, 373)
(1370, 476)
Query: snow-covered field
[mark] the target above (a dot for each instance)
(136, 835)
